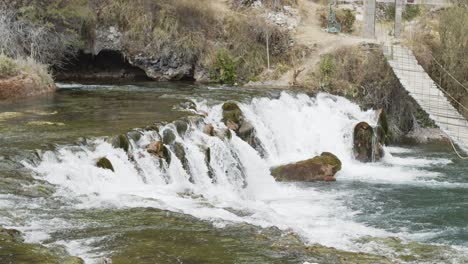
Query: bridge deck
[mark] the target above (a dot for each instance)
(427, 94)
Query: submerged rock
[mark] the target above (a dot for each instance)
(159, 150)
(121, 141)
(14, 250)
(11, 235)
(320, 168)
(104, 163)
(366, 146)
(189, 105)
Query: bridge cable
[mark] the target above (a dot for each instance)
(449, 74)
(445, 92)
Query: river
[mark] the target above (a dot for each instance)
(410, 207)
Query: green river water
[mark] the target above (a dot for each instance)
(405, 219)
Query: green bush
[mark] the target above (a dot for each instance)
(327, 68)
(410, 12)
(345, 17)
(224, 69)
(8, 67)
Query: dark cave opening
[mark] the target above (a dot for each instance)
(106, 66)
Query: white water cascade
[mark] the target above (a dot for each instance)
(290, 128)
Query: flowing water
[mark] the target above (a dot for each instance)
(412, 206)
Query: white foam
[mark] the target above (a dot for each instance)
(291, 128)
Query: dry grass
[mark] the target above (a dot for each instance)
(13, 67)
(362, 73)
(194, 32)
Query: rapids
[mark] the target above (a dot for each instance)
(290, 127)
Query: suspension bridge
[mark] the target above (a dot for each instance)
(432, 98)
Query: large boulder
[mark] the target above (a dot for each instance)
(320, 168)
(366, 145)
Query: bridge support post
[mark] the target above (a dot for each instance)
(398, 17)
(369, 18)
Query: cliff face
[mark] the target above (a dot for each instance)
(186, 40)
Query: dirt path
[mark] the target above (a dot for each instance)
(310, 34)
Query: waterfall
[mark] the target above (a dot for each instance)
(290, 128)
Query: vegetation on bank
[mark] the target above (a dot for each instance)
(440, 41)
(193, 32)
(14, 67)
(363, 75)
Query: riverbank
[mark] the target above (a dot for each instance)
(23, 78)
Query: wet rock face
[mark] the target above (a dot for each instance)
(382, 128)
(121, 141)
(172, 68)
(181, 127)
(159, 150)
(168, 137)
(104, 163)
(320, 168)
(366, 145)
(179, 151)
(234, 119)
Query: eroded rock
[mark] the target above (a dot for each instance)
(234, 119)
(320, 168)
(159, 150)
(366, 145)
(168, 137)
(121, 141)
(181, 127)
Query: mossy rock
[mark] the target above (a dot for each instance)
(383, 130)
(134, 135)
(121, 141)
(153, 127)
(104, 163)
(332, 159)
(232, 113)
(189, 105)
(179, 151)
(168, 137)
(365, 150)
(14, 250)
(181, 126)
(320, 168)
